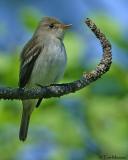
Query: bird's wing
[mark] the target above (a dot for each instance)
(28, 58)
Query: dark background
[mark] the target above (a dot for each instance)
(78, 126)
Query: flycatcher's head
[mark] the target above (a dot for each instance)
(53, 27)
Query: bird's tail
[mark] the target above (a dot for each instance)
(26, 113)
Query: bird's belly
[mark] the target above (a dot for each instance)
(49, 66)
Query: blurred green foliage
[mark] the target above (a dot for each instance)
(112, 30)
(100, 111)
(30, 17)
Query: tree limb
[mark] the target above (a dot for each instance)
(58, 90)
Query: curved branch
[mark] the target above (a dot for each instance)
(58, 90)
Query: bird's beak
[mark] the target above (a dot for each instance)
(66, 26)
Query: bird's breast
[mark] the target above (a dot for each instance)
(50, 65)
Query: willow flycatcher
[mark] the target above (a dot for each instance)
(43, 61)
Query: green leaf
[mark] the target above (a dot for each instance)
(30, 17)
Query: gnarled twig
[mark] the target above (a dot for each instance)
(58, 90)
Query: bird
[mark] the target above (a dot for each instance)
(42, 62)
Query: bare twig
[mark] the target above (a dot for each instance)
(58, 90)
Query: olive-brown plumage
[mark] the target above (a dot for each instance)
(43, 61)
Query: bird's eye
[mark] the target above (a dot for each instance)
(51, 26)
